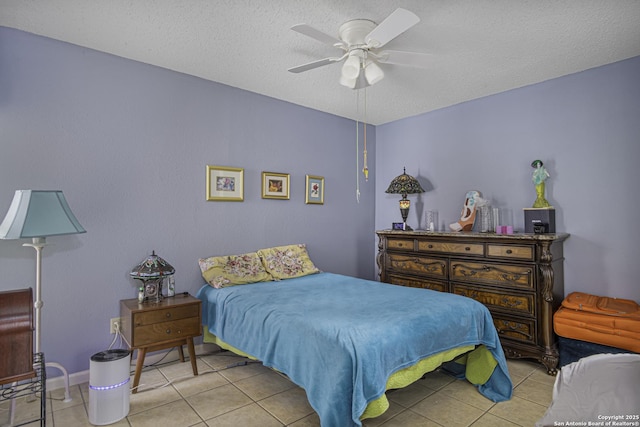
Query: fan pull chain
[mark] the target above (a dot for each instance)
(357, 148)
(365, 169)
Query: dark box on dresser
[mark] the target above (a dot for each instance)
(539, 220)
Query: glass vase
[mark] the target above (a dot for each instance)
(486, 219)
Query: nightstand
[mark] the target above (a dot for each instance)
(150, 326)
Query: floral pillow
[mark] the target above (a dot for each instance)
(231, 270)
(286, 262)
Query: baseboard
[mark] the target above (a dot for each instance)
(151, 358)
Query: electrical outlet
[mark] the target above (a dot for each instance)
(112, 324)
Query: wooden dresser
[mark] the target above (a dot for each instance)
(519, 277)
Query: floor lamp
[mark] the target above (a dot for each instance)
(37, 214)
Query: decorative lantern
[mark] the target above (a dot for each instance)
(151, 272)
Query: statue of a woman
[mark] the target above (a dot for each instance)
(540, 175)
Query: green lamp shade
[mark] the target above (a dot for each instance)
(36, 213)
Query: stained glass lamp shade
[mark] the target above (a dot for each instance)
(151, 272)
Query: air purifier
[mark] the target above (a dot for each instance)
(108, 386)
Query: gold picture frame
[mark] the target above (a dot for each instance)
(314, 190)
(275, 185)
(225, 184)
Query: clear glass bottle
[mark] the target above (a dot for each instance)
(486, 219)
(431, 220)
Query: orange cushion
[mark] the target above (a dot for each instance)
(601, 320)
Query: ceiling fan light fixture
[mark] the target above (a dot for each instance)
(350, 83)
(372, 72)
(351, 67)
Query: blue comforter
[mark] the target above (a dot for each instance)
(340, 338)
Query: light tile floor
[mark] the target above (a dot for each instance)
(252, 395)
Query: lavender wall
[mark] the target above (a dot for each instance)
(128, 144)
(585, 127)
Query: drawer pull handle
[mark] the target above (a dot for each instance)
(509, 251)
(430, 246)
(168, 331)
(467, 248)
(168, 315)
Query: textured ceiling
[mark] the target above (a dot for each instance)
(479, 47)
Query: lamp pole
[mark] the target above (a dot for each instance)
(38, 243)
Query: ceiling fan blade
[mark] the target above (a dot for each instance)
(312, 65)
(395, 24)
(309, 31)
(398, 57)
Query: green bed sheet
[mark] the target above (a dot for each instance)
(479, 361)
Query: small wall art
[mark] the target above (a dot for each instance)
(225, 184)
(315, 190)
(275, 185)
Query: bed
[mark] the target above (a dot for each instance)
(347, 340)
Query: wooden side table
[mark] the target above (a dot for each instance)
(152, 326)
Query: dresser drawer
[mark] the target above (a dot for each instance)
(166, 331)
(523, 330)
(500, 300)
(413, 282)
(511, 251)
(166, 314)
(508, 276)
(403, 244)
(433, 267)
(451, 247)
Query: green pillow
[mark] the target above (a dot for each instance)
(287, 262)
(231, 270)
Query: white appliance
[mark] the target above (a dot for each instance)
(108, 386)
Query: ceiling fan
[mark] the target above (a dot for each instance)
(361, 40)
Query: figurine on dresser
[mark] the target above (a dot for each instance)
(540, 175)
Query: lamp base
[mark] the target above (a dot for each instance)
(152, 290)
(401, 226)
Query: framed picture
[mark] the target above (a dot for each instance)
(315, 190)
(275, 185)
(225, 184)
